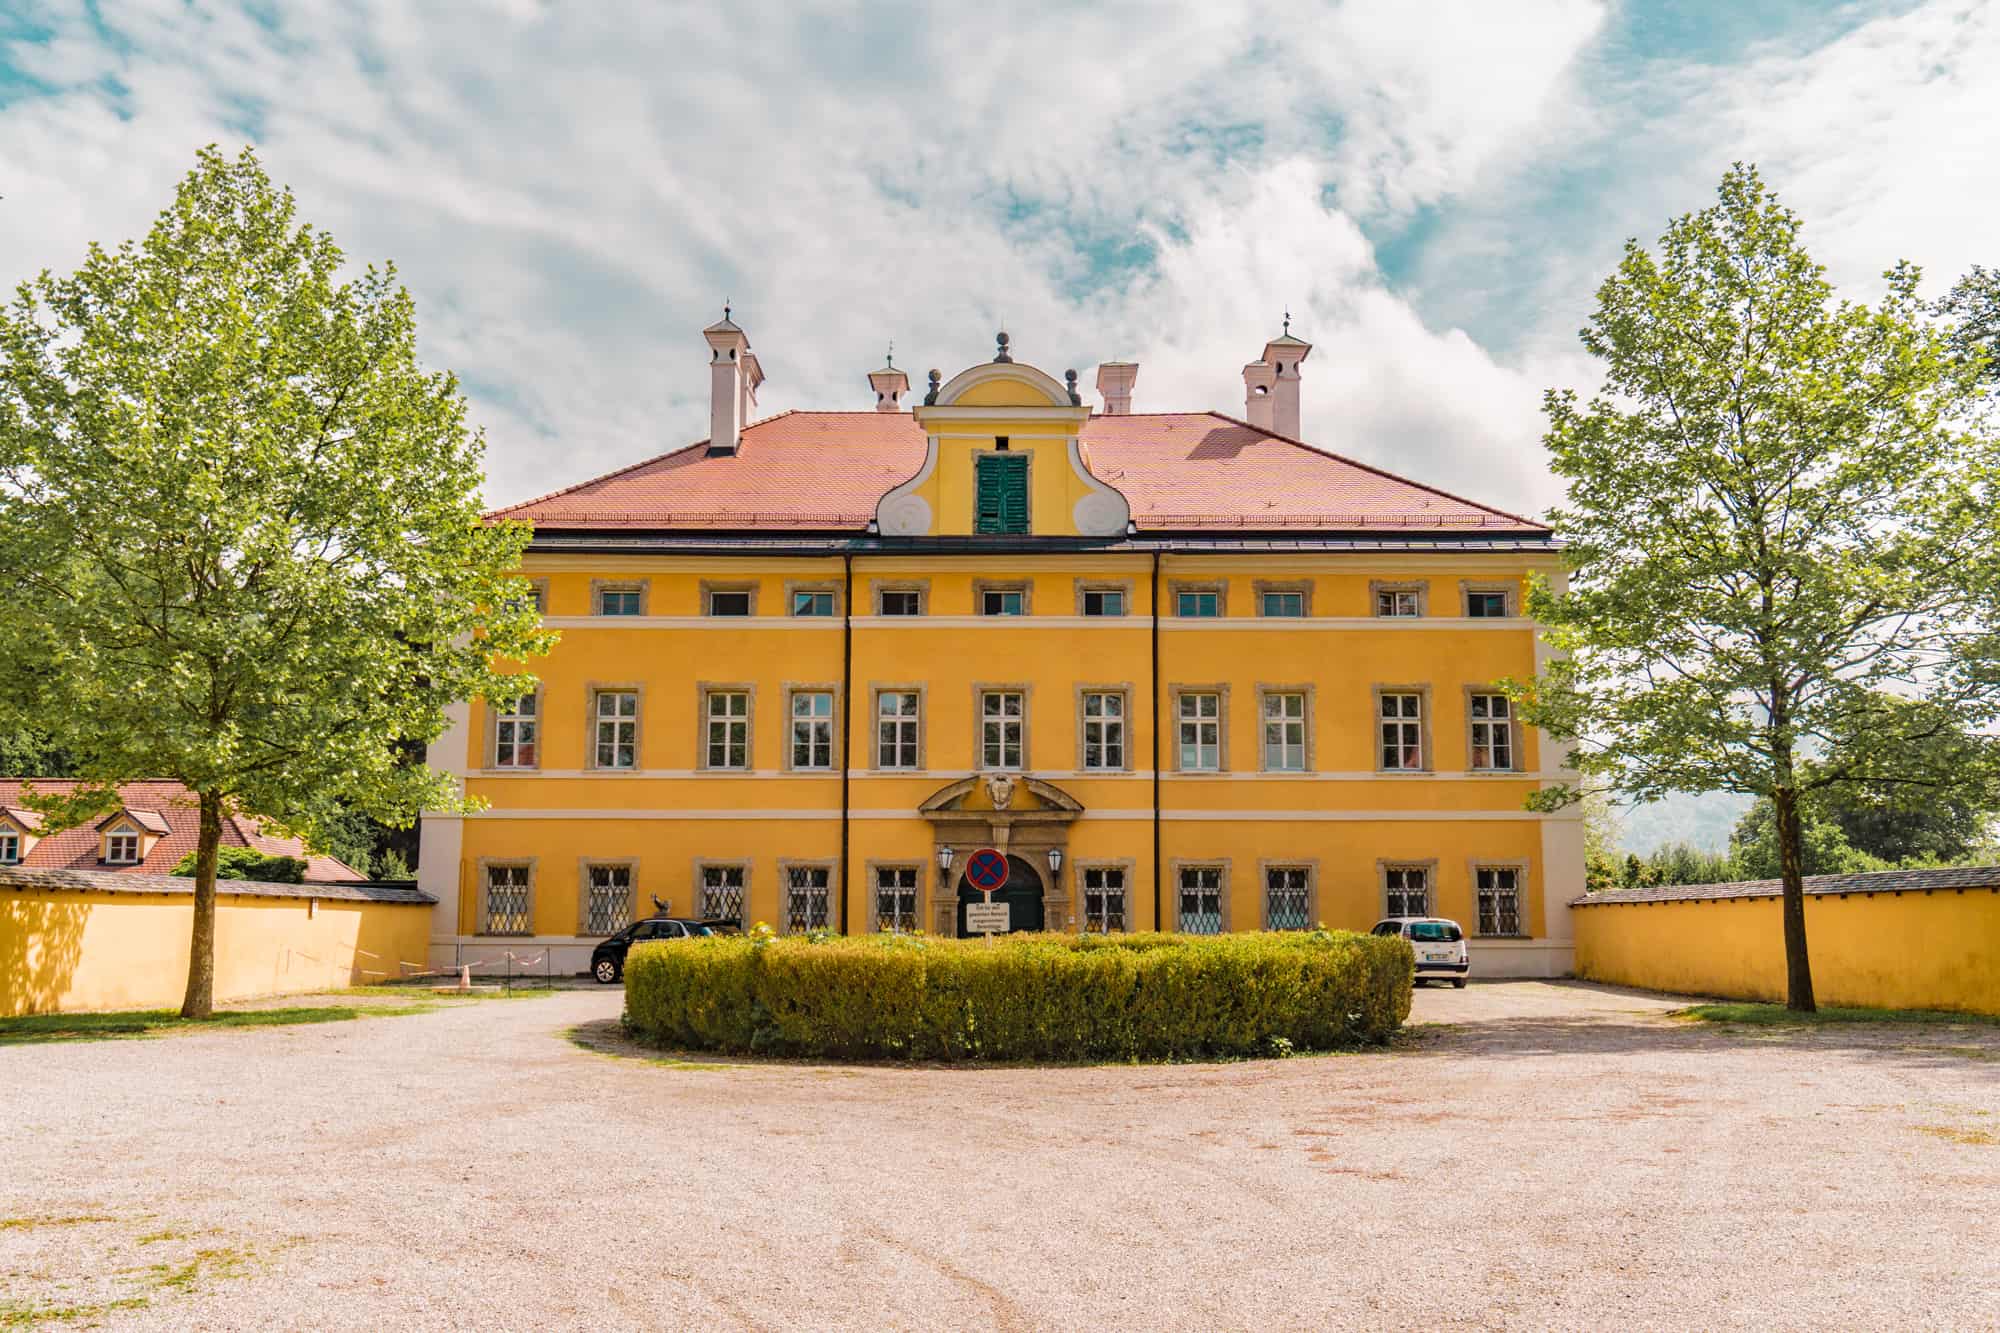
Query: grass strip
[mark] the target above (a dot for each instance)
(32, 1029)
(1776, 1015)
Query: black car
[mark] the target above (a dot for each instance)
(607, 960)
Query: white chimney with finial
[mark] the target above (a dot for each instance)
(1114, 385)
(733, 378)
(890, 384)
(1271, 385)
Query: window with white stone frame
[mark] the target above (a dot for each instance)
(728, 743)
(616, 725)
(896, 898)
(1103, 899)
(1285, 731)
(1287, 898)
(722, 892)
(1407, 890)
(607, 905)
(808, 899)
(1200, 731)
(507, 893)
(1492, 740)
(898, 719)
(517, 733)
(1400, 724)
(1395, 603)
(1498, 890)
(1001, 714)
(1103, 729)
(812, 729)
(1200, 900)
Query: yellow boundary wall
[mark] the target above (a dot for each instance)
(62, 951)
(1893, 949)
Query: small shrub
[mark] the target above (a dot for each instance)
(1024, 997)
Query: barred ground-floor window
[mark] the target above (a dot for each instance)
(1287, 898)
(722, 893)
(1201, 900)
(608, 904)
(1103, 899)
(506, 901)
(808, 899)
(896, 898)
(1409, 890)
(1499, 892)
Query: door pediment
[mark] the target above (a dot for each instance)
(1001, 798)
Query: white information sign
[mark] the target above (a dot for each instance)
(987, 918)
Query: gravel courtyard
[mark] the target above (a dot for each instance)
(1535, 1155)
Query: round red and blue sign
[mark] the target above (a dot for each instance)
(986, 870)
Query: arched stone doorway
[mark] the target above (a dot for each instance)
(1025, 819)
(1024, 893)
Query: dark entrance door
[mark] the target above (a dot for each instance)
(1022, 893)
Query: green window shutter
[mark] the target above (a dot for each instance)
(1002, 504)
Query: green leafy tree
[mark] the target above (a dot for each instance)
(1683, 863)
(1973, 310)
(1781, 529)
(28, 751)
(1823, 846)
(240, 530)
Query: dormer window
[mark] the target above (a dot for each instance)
(1001, 506)
(121, 848)
(10, 848)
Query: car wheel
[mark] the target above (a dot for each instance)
(605, 970)
(1458, 983)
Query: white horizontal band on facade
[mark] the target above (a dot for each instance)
(1166, 816)
(1046, 774)
(1131, 622)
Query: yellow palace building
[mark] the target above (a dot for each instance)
(1184, 670)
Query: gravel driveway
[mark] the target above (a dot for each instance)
(1539, 1154)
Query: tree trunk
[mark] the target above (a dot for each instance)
(1791, 861)
(200, 999)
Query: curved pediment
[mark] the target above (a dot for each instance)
(1002, 384)
(1002, 794)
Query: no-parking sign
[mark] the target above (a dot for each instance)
(986, 870)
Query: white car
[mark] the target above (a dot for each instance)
(1438, 943)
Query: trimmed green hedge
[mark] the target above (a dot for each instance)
(1021, 997)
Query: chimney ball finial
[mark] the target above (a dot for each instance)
(1002, 355)
(1288, 321)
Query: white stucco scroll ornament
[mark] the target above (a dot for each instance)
(1103, 512)
(903, 516)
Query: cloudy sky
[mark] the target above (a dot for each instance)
(1432, 188)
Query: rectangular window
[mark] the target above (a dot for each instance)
(1409, 890)
(1002, 502)
(806, 898)
(1288, 898)
(1492, 733)
(1103, 899)
(729, 601)
(1285, 733)
(617, 601)
(1104, 601)
(506, 901)
(896, 722)
(1198, 602)
(902, 602)
(728, 729)
(812, 729)
(10, 849)
(1282, 604)
(609, 908)
(514, 734)
(1002, 601)
(1200, 732)
(1104, 729)
(896, 898)
(1201, 900)
(1000, 715)
(1485, 605)
(122, 849)
(1398, 602)
(722, 893)
(617, 729)
(812, 602)
(1499, 889)
(1402, 725)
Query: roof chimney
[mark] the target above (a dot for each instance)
(733, 377)
(1114, 385)
(1258, 377)
(1271, 386)
(890, 384)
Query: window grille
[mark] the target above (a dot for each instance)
(507, 900)
(1402, 721)
(722, 893)
(1104, 729)
(617, 729)
(1000, 714)
(807, 899)
(1201, 900)
(1287, 898)
(1285, 732)
(514, 734)
(896, 716)
(728, 729)
(1103, 899)
(1499, 889)
(1409, 891)
(1398, 602)
(1492, 732)
(609, 909)
(896, 898)
(1200, 732)
(617, 601)
(812, 729)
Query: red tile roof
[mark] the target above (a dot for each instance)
(1179, 470)
(162, 805)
